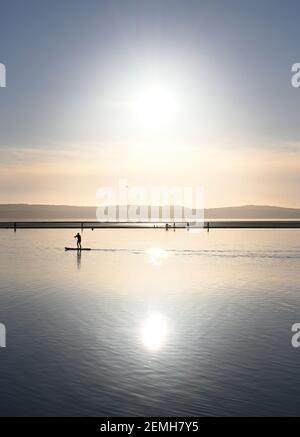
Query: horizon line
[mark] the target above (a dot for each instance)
(148, 205)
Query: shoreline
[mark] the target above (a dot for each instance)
(206, 224)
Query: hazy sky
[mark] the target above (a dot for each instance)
(194, 92)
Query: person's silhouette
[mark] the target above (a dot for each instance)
(78, 237)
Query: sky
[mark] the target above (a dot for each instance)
(185, 93)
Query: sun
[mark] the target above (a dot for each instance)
(156, 104)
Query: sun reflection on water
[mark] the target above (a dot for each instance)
(154, 331)
(157, 255)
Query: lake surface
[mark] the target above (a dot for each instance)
(150, 323)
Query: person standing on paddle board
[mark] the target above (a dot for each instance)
(78, 236)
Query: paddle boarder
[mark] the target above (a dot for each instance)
(78, 237)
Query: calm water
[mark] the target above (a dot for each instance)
(151, 323)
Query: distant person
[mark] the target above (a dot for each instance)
(78, 237)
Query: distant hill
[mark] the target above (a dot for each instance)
(253, 212)
(19, 212)
(46, 212)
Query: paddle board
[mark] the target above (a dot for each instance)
(75, 248)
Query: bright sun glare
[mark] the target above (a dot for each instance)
(156, 104)
(154, 331)
(157, 256)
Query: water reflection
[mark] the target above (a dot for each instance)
(154, 331)
(157, 255)
(78, 259)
